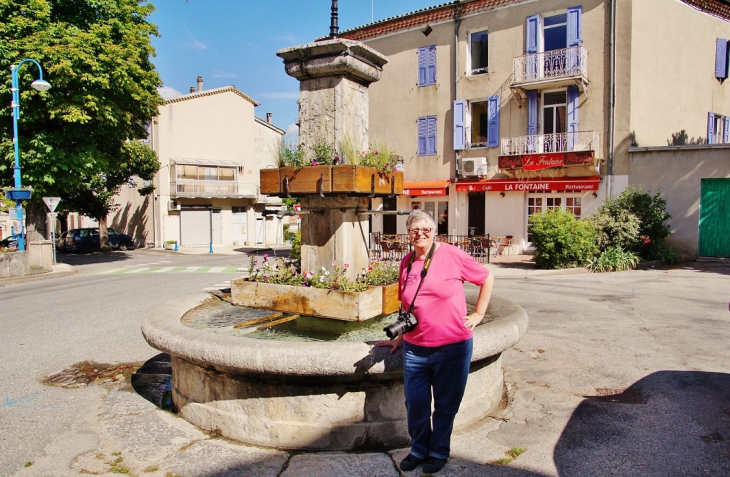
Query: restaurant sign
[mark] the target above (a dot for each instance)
(426, 191)
(535, 162)
(533, 185)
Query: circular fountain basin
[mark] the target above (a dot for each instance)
(313, 395)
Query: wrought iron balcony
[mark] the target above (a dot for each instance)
(203, 188)
(559, 142)
(550, 66)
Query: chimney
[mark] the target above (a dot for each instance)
(200, 83)
(268, 118)
(192, 89)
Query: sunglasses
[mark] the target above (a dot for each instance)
(425, 230)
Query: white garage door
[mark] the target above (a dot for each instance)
(194, 227)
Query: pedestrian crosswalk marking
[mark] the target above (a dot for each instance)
(139, 270)
(180, 269)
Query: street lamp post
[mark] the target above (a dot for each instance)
(17, 194)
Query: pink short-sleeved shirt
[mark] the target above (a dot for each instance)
(440, 305)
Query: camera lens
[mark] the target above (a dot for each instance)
(397, 328)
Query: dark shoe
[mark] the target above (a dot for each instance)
(410, 463)
(433, 465)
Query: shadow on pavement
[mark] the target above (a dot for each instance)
(92, 257)
(668, 423)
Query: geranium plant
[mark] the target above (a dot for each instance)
(280, 273)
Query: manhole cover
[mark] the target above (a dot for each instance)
(88, 372)
(618, 396)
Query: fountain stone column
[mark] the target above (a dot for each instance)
(334, 78)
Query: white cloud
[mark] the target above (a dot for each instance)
(194, 43)
(288, 95)
(224, 74)
(292, 132)
(168, 93)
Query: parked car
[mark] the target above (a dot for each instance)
(10, 243)
(86, 240)
(61, 241)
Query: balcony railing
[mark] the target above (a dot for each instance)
(202, 188)
(556, 64)
(559, 142)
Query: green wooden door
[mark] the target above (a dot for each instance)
(714, 233)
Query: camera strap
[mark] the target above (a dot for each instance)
(424, 271)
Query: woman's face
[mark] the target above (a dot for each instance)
(421, 233)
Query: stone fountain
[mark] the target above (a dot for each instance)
(331, 395)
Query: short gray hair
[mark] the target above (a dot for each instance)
(420, 215)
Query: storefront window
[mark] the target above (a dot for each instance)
(541, 202)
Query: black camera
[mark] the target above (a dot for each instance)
(405, 323)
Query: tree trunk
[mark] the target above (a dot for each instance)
(103, 235)
(35, 221)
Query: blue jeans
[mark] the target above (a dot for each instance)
(443, 370)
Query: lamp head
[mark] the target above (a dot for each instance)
(40, 85)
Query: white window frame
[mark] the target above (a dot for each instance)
(431, 206)
(541, 41)
(546, 195)
(471, 71)
(470, 124)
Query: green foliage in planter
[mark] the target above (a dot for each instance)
(613, 259)
(616, 227)
(296, 246)
(380, 273)
(561, 240)
(288, 235)
(652, 213)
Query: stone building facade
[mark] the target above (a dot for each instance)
(504, 108)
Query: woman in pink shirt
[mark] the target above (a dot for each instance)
(437, 351)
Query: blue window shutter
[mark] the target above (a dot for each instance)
(573, 100)
(721, 58)
(726, 129)
(710, 128)
(493, 127)
(531, 31)
(422, 136)
(574, 26)
(422, 60)
(431, 135)
(532, 112)
(459, 125)
(431, 65)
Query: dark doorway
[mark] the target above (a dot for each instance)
(390, 223)
(476, 213)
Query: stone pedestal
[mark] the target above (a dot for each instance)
(333, 93)
(338, 234)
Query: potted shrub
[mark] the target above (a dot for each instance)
(170, 244)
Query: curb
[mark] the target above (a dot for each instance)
(59, 270)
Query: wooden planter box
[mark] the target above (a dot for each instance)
(390, 299)
(334, 179)
(338, 305)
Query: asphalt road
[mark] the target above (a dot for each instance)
(49, 325)
(619, 374)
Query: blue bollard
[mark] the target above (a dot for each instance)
(211, 247)
(176, 245)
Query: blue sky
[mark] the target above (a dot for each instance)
(234, 42)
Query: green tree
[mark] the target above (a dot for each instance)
(561, 240)
(77, 140)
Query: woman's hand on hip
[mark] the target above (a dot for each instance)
(394, 344)
(472, 319)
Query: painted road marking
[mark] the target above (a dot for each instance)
(163, 270)
(139, 270)
(179, 269)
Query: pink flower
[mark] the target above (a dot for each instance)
(266, 255)
(645, 240)
(314, 162)
(376, 153)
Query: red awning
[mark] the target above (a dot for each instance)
(425, 187)
(508, 185)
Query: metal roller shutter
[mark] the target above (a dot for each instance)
(194, 227)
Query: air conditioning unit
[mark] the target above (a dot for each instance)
(173, 205)
(474, 166)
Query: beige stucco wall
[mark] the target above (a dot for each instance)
(677, 174)
(673, 71)
(133, 215)
(396, 101)
(211, 127)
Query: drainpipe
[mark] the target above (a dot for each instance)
(457, 154)
(612, 98)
